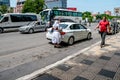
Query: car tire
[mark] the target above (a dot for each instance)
(1, 30)
(31, 31)
(71, 41)
(89, 36)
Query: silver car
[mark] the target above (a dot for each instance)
(71, 32)
(33, 27)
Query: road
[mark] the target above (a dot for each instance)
(22, 54)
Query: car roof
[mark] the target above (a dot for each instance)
(68, 23)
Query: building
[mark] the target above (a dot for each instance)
(19, 6)
(117, 11)
(108, 12)
(5, 2)
(56, 4)
(49, 3)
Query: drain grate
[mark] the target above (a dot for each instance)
(107, 73)
(46, 77)
(64, 67)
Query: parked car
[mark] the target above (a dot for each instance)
(33, 27)
(72, 32)
(115, 28)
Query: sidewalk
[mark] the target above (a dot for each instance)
(94, 64)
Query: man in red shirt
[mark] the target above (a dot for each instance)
(103, 29)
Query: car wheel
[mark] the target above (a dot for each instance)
(1, 30)
(89, 36)
(71, 40)
(31, 31)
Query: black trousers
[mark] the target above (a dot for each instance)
(103, 35)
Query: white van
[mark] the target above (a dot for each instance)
(15, 20)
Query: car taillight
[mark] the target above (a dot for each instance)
(62, 33)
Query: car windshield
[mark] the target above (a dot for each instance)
(1, 17)
(63, 26)
(31, 23)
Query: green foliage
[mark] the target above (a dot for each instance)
(3, 9)
(101, 15)
(34, 6)
(55, 7)
(87, 15)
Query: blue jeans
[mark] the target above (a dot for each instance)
(103, 35)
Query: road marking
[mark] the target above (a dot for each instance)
(42, 70)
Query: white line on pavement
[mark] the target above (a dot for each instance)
(42, 70)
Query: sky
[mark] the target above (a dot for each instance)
(89, 5)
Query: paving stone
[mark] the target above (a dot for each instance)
(117, 76)
(117, 53)
(115, 47)
(80, 78)
(104, 49)
(99, 77)
(56, 72)
(87, 62)
(46, 77)
(119, 65)
(111, 66)
(87, 74)
(107, 73)
(92, 58)
(64, 67)
(98, 63)
(67, 76)
(76, 70)
(105, 57)
(94, 69)
(101, 62)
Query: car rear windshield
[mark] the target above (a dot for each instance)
(63, 26)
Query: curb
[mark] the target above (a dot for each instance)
(42, 70)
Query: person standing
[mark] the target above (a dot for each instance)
(104, 28)
(115, 26)
(56, 36)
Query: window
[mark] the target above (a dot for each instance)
(5, 19)
(69, 13)
(74, 26)
(63, 26)
(82, 27)
(74, 14)
(22, 18)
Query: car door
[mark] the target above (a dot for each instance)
(37, 26)
(83, 31)
(76, 31)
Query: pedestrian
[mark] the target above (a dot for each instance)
(104, 28)
(56, 36)
(115, 26)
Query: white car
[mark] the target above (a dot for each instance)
(72, 32)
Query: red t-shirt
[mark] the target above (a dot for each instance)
(103, 25)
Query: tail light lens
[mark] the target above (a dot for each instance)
(62, 33)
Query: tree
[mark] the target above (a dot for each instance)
(3, 9)
(87, 15)
(34, 6)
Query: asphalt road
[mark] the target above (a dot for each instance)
(22, 54)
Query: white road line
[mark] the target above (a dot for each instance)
(42, 70)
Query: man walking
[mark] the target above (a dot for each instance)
(103, 29)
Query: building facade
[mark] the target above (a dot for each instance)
(5, 2)
(117, 11)
(108, 12)
(49, 3)
(56, 4)
(19, 6)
